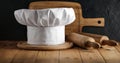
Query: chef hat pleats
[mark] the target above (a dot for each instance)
(45, 17)
(30, 17)
(20, 17)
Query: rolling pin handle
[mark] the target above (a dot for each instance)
(109, 42)
(93, 45)
(98, 22)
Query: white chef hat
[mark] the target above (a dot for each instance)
(45, 26)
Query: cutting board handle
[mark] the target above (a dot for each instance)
(99, 22)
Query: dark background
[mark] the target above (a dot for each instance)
(109, 9)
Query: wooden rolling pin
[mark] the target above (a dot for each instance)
(103, 40)
(83, 41)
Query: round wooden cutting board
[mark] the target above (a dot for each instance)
(24, 45)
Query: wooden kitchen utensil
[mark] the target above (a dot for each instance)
(99, 22)
(103, 40)
(83, 41)
(24, 45)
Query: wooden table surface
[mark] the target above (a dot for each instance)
(9, 53)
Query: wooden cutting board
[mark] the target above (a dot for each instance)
(24, 45)
(79, 23)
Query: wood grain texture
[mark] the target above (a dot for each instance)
(70, 56)
(47, 57)
(91, 56)
(110, 54)
(7, 55)
(25, 56)
(11, 54)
